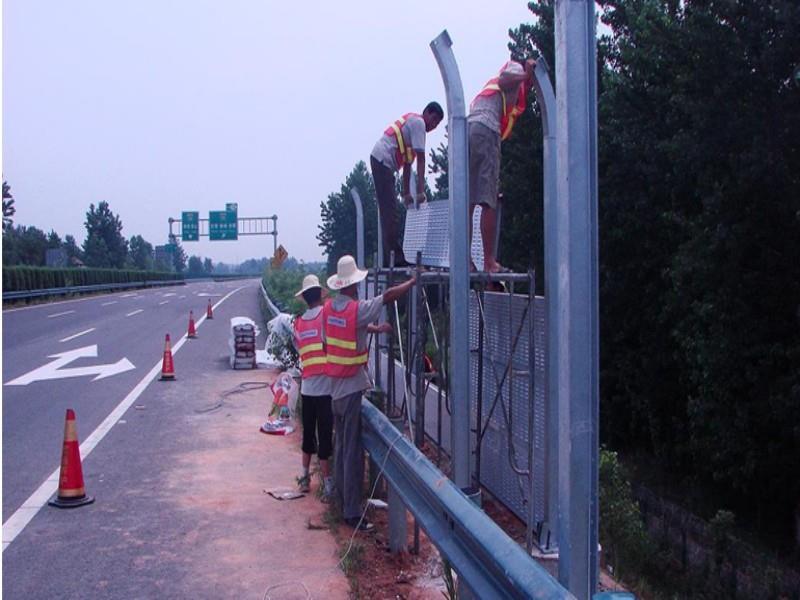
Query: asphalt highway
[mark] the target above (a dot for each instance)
(111, 342)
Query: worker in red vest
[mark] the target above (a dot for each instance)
(314, 388)
(492, 115)
(400, 144)
(347, 321)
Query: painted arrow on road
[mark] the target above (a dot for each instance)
(54, 370)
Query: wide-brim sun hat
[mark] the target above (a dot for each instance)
(309, 282)
(347, 273)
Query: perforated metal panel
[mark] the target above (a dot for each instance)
(428, 230)
(503, 320)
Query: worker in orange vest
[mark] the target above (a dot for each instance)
(314, 387)
(492, 115)
(400, 144)
(347, 321)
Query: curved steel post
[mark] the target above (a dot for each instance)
(546, 99)
(459, 257)
(362, 287)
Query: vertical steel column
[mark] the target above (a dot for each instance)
(547, 104)
(577, 282)
(274, 234)
(360, 257)
(457, 153)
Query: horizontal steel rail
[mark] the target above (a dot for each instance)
(82, 289)
(487, 561)
(270, 304)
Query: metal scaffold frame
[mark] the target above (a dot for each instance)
(571, 356)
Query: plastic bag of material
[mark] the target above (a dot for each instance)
(282, 407)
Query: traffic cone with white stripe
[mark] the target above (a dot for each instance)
(192, 333)
(71, 492)
(209, 311)
(167, 366)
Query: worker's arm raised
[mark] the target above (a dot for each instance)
(395, 292)
(516, 74)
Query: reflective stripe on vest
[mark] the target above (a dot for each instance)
(403, 154)
(508, 117)
(308, 335)
(343, 358)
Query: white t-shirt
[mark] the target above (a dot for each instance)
(488, 110)
(385, 148)
(316, 385)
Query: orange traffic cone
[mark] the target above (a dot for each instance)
(209, 312)
(192, 333)
(167, 367)
(70, 482)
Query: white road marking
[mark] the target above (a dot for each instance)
(127, 295)
(61, 314)
(170, 294)
(181, 297)
(164, 302)
(72, 337)
(53, 369)
(136, 312)
(25, 513)
(108, 303)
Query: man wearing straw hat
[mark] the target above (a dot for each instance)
(315, 388)
(346, 322)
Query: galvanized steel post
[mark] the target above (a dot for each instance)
(360, 259)
(577, 333)
(457, 154)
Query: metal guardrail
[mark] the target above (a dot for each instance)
(80, 289)
(487, 561)
(270, 305)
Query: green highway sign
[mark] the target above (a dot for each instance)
(190, 226)
(232, 207)
(222, 225)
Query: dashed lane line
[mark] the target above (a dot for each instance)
(72, 337)
(135, 312)
(164, 302)
(25, 513)
(61, 314)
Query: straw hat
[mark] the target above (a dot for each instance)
(347, 273)
(309, 281)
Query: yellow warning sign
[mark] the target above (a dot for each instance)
(280, 255)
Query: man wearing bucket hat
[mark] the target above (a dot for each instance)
(315, 387)
(346, 322)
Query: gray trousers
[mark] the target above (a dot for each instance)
(348, 453)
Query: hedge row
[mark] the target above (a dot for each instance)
(16, 279)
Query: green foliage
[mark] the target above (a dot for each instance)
(699, 197)
(141, 253)
(104, 245)
(8, 206)
(622, 532)
(24, 246)
(438, 167)
(17, 279)
(208, 266)
(195, 265)
(179, 258)
(337, 235)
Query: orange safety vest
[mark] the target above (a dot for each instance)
(343, 359)
(308, 335)
(509, 117)
(404, 154)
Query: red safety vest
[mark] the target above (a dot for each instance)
(308, 335)
(509, 117)
(404, 154)
(343, 359)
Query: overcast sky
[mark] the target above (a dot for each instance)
(159, 107)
